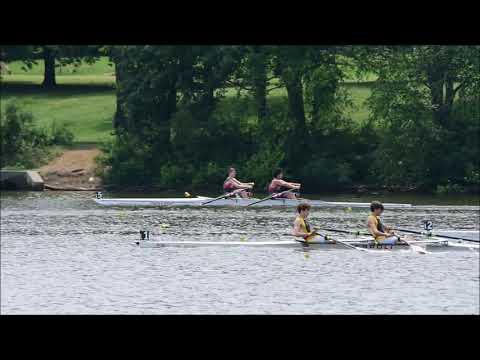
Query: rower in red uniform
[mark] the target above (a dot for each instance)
(277, 185)
(231, 184)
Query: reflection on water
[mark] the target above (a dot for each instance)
(62, 254)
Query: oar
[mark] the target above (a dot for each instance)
(270, 197)
(224, 196)
(340, 242)
(436, 235)
(346, 231)
(414, 247)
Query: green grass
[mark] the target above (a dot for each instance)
(85, 100)
(359, 94)
(101, 67)
(87, 111)
(28, 79)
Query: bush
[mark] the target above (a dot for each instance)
(473, 175)
(262, 164)
(449, 188)
(60, 134)
(209, 173)
(25, 146)
(327, 173)
(22, 145)
(172, 174)
(125, 159)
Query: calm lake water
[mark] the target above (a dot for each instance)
(63, 254)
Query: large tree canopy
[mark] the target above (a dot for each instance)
(176, 125)
(424, 99)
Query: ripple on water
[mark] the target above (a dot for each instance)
(62, 254)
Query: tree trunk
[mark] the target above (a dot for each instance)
(436, 84)
(296, 142)
(261, 98)
(449, 90)
(49, 74)
(171, 107)
(207, 103)
(296, 107)
(259, 69)
(119, 119)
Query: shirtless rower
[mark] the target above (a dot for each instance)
(231, 184)
(277, 185)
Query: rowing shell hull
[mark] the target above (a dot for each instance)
(232, 202)
(430, 245)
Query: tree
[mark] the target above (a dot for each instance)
(51, 55)
(414, 102)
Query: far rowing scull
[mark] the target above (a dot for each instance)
(200, 200)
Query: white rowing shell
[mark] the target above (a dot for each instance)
(198, 201)
(431, 244)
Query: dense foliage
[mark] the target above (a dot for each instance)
(426, 105)
(175, 126)
(25, 146)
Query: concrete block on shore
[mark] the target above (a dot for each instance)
(35, 180)
(21, 180)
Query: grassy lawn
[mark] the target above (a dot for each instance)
(87, 114)
(85, 98)
(101, 67)
(359, 94)
(28, 79)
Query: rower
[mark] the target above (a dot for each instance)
(277, 185)
(301, 228)
(381, 233)
(231, 184)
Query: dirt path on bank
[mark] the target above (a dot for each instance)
(74, 169)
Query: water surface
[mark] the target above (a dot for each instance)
(63, 254)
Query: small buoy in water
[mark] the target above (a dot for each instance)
(163, 226)
(187, 194)
(243, 238)
(91, 179)
(348, 209)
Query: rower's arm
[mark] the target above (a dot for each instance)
(288, 185)
(248, 184)
(373, 229)
(235, 181)
(241, 185)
